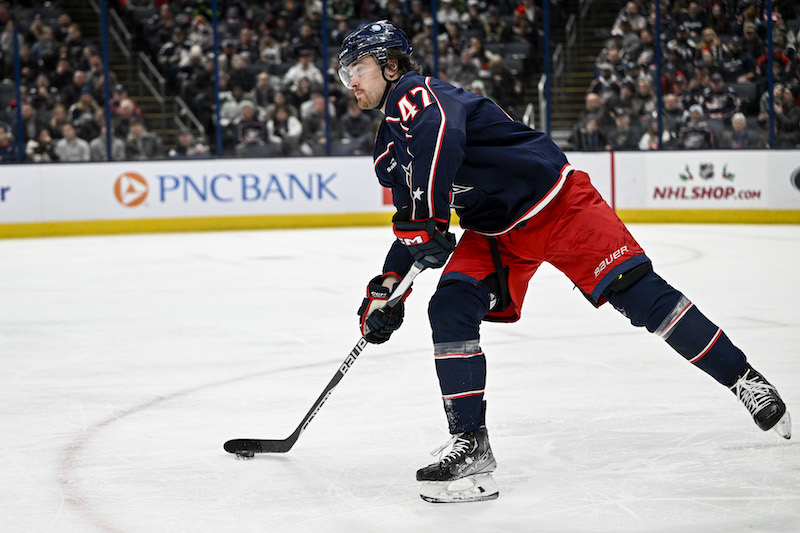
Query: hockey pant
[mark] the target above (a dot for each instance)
(457, 309)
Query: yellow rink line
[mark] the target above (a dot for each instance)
(154, 225)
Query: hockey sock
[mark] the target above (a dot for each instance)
(455, 312)
(656, 305)
(461, 367)
(702, 343)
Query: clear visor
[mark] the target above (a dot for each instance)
(353, 72)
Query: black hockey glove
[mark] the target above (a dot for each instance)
(378, 323)
(427, 244)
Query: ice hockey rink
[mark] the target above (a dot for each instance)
(127, 361)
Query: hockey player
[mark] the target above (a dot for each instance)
(520, 203)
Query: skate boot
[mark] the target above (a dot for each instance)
(763, 402)
(464, 474)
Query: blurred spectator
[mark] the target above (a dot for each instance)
(41, 148)
(72, 92)
(251, 131)
(58, 119)
(787, 118)
(718, 19)
(740, 136)
(494, 29)
(671, 121)
(307, 41)
(505, 88)
(709, 41)
(623, 102)
(695, 134)
(447, 13)
(240, 75)
(301, 93)
(719, 101)
(81, 114)
(644, 100)
(118, 95)
(737, 65)
(357, 128)
(752, 43)
(465, 72)
(284, 131)
(98, 145)
(694, 20)
(606, 84)
(304, 68)
(30, 121)
(700, 81)
(630, 14)
(649, 140)
(271, 53)
(588, 137)
(247, 47)
(312, 115)
(781, 67)
(62, 76)
(76, 44)
(188, 146)
(43, 96)
(127, 111)
(8, 148)
(643, 53)
(71, 147)
(265, 89)
(28, 66)
(624, 135)
(141, 144)
(593, 109)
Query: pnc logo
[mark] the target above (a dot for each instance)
(130, 189)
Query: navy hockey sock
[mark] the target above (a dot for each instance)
(654, 304)
(455, 312)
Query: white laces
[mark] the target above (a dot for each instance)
(754, 393)
(460, 446)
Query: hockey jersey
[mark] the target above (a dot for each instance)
(441, 147)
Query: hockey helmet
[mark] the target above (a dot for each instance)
(373, 38)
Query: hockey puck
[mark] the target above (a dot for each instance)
(245, 454)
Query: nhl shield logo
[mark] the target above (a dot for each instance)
(706, 170)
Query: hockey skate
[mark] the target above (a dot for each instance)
(464, 474)
(763, 402)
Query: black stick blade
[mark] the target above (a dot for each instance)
(259, 445)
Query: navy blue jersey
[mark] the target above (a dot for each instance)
(440, 147)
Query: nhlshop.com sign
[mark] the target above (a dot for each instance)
(706, 180)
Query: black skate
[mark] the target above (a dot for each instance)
(464, 474)
(763, 402)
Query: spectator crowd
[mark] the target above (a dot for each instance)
(271, 84)
(272, 73)
(714, 78)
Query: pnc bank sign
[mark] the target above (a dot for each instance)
(131, 189)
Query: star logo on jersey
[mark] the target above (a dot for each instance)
(417, 194)
(407, 170)
(458, 189)
(131, 189)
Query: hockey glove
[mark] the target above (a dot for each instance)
(427, 244)
(377, 322)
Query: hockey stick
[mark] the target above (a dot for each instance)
(246, 448)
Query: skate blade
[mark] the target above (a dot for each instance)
(784, 426)
(474, 488)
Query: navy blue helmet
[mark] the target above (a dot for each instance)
(373, 38)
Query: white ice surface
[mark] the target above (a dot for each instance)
(127, 361)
